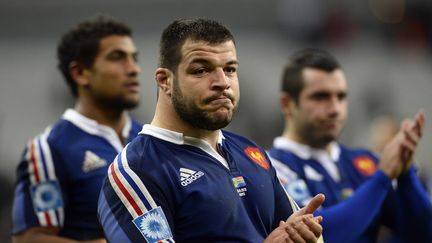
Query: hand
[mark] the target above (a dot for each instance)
(101, 240)
(301, 226)
(414, 132)
(397, 154)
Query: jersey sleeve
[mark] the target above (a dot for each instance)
(38, 199)
(127, 210)
(414, 210)
(348, 220)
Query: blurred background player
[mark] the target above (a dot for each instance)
(358, 188)
(185, 179)
(61, 170)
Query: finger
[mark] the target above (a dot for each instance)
(314, 227)
(305, 232)
(314, 204)
(409, 146)
(412, 129)
(412, 136)
(420, 119)
(282, 238)
(296, 237)
(318, 219)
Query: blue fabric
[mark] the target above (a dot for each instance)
(208, 207)
(67, 145)
(406, 210)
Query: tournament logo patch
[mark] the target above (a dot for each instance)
(256, 155)
(46, 196)
(365, 165)
(240, 185)
(154, 226)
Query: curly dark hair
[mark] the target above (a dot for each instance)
(81, 44)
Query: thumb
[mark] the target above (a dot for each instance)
(313, 205)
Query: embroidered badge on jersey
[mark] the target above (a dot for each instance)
(365, 165)
(154, 226)
(346, 193)
(299, 191)
(240, 185)
(92, 162)
(256, 155)
(46, 196)
(187, 176)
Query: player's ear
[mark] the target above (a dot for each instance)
(164, 79)
(79, 73)
(286, 103)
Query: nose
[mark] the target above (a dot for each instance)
(220, 80)
(132, 67)
(335, 106)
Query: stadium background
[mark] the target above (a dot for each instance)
(385, 47)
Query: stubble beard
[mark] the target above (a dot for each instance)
(194, 116)
(119, 103)
(312, 136)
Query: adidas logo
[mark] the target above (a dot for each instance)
(188, 176)
(92, 162)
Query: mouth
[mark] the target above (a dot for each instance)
(220, 98)
(133, 86)
(330, 125)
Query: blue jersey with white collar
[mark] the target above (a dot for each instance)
(360, 200)
(164, 187)
(61, 173)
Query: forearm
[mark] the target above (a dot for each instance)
(415, 208)
(349, 219)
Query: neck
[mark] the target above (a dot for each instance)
(116, 119)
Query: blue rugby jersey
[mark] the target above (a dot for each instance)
(61, 173)
(349, 216)
(165, 186)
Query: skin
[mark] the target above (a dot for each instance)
(111, 85)
(319, 115)
(321, 111)
(105, 91)
(206, 83)
(205, 87)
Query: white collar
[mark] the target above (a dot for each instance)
(93, 127)
(306, 152)
(179, 138)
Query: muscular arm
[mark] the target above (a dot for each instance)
(45, 235)
(349, 219)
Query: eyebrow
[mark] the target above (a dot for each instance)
(205, 61)
(135, 52)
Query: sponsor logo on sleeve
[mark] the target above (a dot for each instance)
(46, 196)
(154, 226)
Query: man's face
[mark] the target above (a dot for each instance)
(205, 88)
(113, 78)
(321, 111)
